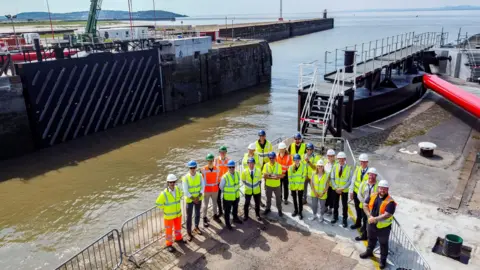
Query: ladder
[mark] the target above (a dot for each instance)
(317, 110)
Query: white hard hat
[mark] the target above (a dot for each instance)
(282, 145)
(171, 178)
(320, 162)
(383, 183)
(330, 152)
(341, 155)
(372, 170)
(363, 157)
(251, 146)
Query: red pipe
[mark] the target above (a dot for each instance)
(462, 98)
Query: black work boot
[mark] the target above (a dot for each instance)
(367, 254)
(295, 213)
(383, 263)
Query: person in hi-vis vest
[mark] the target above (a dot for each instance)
(230, 186)
(359, 176)
(364, 191)
(251, 179)
(193, 188)
(169, 201)
(379, 208)
(340, 180)
(211, 175)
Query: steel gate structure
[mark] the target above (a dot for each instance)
(71, 98)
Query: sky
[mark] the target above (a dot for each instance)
(224, 7)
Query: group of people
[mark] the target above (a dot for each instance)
(293, 168)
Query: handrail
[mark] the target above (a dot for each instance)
(399, 47)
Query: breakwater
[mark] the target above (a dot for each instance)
(275, 31)
(68, 99)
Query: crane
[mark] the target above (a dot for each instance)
(91, 27)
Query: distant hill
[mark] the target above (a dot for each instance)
(104, 15)
(446, 8)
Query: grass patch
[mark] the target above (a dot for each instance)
(476, 137)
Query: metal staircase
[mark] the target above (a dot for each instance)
(473, 56)
(317, 112)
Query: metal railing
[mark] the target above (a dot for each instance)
(374, 52)
(104, 253)
(143, 230)
(146, 228)
(402, 251)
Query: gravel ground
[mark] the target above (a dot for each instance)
(409, 128)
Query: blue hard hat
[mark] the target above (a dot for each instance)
(272, 155)
(310, 146)
(251, 160)
(262, 133)
(297, 136)
(297, 157)
(192, 164)
(231, 163)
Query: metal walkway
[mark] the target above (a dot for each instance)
(379, 54)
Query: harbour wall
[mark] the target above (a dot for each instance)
(278, 30)
(67, 99)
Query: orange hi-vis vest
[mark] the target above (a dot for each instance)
(387, 222)
(212, 178)
(286, 161)
(221, 165)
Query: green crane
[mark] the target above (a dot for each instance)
(91, 28)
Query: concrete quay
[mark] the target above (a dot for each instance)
(436, 196)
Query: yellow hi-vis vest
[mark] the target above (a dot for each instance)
(314, 158)
(363, 189)
(386, 222)
(319, 184)
(342, 181)
(231, 190)
(358, 178)
(251, 185)
(256, 157)
(296, 179)
(194, 185)
(301, 151)
(263, 152)
(170, 205)
(272, 169)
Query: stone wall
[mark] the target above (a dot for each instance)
(15, 135)
(193, 80)
(277, 31)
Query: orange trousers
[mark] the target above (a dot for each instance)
(170, 225)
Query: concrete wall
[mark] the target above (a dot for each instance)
(278, 31)
(15, 135)
(189, 81)
(193, 80)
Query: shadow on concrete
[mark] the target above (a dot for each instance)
(73, 152)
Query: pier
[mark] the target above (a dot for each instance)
(377, 55)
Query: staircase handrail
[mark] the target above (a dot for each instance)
(310, 92)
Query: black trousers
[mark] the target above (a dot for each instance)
(284, 185)
(363, 229)
(219, 202)
(256, 198)
(359, 211)
(336, 203)
(380, 235)
(330, 195)
(297, 196)
(230, 207)
(190, 207)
